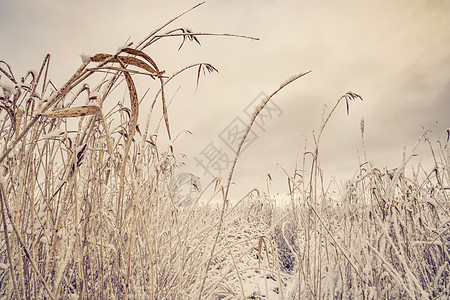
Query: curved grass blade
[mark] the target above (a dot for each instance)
(78, 111)
(129, 60)
(144, 56)
(159, 73)
(81, 111)
(131, 131)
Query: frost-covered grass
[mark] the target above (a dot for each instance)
(386, 237)
(87, 209)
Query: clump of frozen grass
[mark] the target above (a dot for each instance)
(386, 236)
(86, 208)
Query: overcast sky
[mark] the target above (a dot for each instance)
(395, 54)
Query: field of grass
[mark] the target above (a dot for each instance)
(87, 209)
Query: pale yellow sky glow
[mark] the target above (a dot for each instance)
(395, 54)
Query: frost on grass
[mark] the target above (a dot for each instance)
(7, 89)
(85, 58)
(55, 133)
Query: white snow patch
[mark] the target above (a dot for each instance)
(119, 49)
(85, 58)
(289, 80)
(260, 106)
(8, 89)
(55, 133)
(44, 240)
(3, 178)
